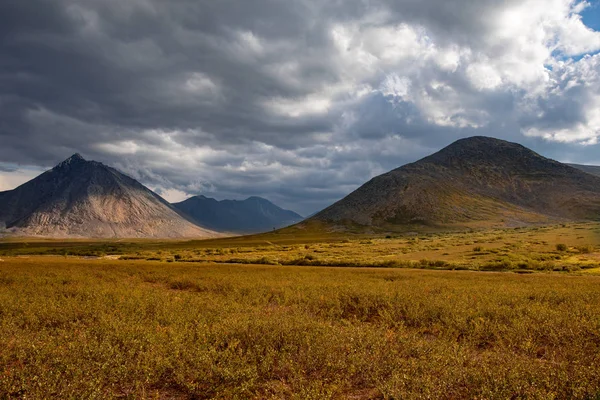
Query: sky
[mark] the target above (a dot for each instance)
(298, 101)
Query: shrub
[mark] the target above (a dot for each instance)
(585, 249)
(561, 247)
(267, 261)
(497, 265)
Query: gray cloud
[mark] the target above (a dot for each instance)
(4, 168)
(299, 102)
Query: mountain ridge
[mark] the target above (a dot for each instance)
(252, 215)
(590, 169)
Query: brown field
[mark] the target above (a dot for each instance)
(184, 320)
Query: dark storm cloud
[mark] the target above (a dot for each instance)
(300, 102)
(119, 64)
(4, 168)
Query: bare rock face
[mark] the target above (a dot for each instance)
(473, 181)
(80, 198)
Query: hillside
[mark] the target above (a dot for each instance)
(252, 215)
(474, 182)
(590, 169)
(80, 198)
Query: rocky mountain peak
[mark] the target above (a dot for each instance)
(80, 198)
(482, 150)
(75, 159)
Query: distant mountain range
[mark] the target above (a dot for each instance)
(475, 182)
(478, 182)
(252, 215)
(80, 198)
(590, 169)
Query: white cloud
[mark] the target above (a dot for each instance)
(118, 148)
(250, 43)
(574, 37)
(172, 195)
(395, 86)
(484, 76)
(449, 59)
(199, 83)
(575, 87)
(317, 103)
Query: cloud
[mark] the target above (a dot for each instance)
(298, 102)
(4, 168)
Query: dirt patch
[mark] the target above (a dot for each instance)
(594, 256)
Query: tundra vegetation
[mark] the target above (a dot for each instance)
(268, 317)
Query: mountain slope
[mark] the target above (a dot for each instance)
(590, 169)
(478, 181)
(80, 198)
(252, 215)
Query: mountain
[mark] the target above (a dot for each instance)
(80, 198)
(474, 182)
(252, 215)
(590, 169)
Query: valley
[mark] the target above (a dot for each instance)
(149, 325)
(562, 247)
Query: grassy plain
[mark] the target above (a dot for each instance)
(571, 247)
(183, 320)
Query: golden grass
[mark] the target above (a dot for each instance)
(570, 248)
(573, 247)
(192, 319)
(74, 328)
